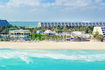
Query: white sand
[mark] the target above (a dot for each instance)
(54, 45)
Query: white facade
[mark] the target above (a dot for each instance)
(56, 24)
(19, 33)
(39, 32)
(49, 32)
(100, 30)
(76, 33)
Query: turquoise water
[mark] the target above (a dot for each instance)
(12, 59)
(26, 24)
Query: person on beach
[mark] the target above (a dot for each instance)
(101, 39)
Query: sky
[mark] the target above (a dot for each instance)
(53, 10)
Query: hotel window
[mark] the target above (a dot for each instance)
(80, 24)
(87, 24)
(59, 24)
(72, 24)
(26, 34)
(65, 24)
(90, 24)
(45, 24)
(69, 24)
(48, 24)
(102, 28)
(104, 24)
(97, 24)
(62, 24)
(55, 24)
(76, 24)
(52, 24)
(22, 33)
(94, 24)
(100, 23)
(42, 25)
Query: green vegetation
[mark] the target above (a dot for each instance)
(57, 29)
(98, 36)
(36, 36)
(71, 28)
(43, 37)
(33, 36)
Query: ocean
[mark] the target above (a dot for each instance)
(15, 59)
(25, 24)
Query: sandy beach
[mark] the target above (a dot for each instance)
(54, 45)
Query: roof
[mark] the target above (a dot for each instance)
(39, 31)
(76, 33)
(49, 32)
(21, 30)
(4, 23)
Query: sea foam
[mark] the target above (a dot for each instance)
(26, 55)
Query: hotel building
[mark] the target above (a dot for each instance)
(19, 33)
(55, 24)
(100, 30)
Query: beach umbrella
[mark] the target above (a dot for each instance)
(76, 33)
(48, 31)
(3, 36)
(85, 35)
(39, 32)
(25, 37)
(71, 38)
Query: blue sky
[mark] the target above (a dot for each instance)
(53, 10)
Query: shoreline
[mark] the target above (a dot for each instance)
(54, 45)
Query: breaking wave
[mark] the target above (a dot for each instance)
(26, 55)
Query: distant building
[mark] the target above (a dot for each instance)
(4, 23)
(19, 33)
(100, 30)
(39, 32)
(76, 33)
(49, 32)
(56, 24)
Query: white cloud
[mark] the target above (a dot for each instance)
(70, 3)
(98, 1)
(1, 6)
(73, 3)
(19, 3)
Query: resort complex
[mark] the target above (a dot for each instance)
(57, 37)
(52, 34)
(56, 31)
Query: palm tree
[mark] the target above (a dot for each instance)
(99, 36)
